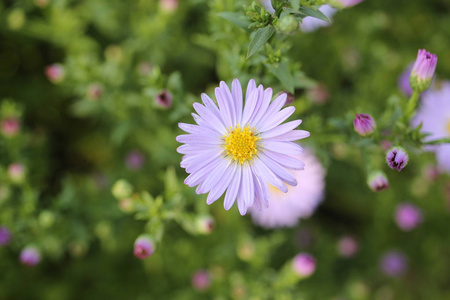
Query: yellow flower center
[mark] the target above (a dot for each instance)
(448, 127)
(240, 144)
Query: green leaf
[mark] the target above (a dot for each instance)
(236, 18)
(283, 74)
(295, 4)
(261, 36)
(311, 12)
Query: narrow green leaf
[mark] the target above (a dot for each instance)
(308, 11)
(283, 74)
(235, 18)
(261, 36)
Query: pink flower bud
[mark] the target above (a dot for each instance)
(168, 6)
(55, 73)
(289, 98)
(30, 256)
(423, 71)
(397, 158)
(164, 99)
(377, 181)
(304, 264)
(347, 246)
(364, 124)
(16, 172)
(204, 224)
(143, 247)
(201, 280)
(5, 236)
(319, 94)
(134, 160)
(408, 216)
(10, 127)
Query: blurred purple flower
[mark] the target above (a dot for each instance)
(378, 181)
(423, 70)
(397, 158)
(434, 114)
(304, 264)
(319, 94)
(403, 81)
(286, 209)
(5, 236)
(164, 99)
(143, 247)
(134, 160)
(408, 216)
(394, 263)
(310, 24)
(30, 256)
(201, 280)
(10, 126)
(55, 73)
(364, 124)
(347, 246)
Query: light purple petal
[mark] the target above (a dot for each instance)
(285, 160)
(265, 173)
(279, 130)
(249, 107)
(224, 107)
(278, 170)
(267, 96)
(248, 190)
(213, 178)
(237, 96)
(290, 136)
(274, 107)
(209, 103)
(287, 148)
(196, 139)
(230, 101)
(210, 118)
(220, 188)
(233, 189)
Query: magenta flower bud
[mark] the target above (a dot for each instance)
(289, 99)
(164, 99)
(168, 6)
(5, 236)
(393, 263)
(377, 181)
(364, 124)
(204, 224)
(30, 256)
(347, 246)
(134, 160)
(349, 3)
(95, 91)
(143, 247)
(304, 264)
(408, 216)
(16, 172)
(201, 280)
(403, 81)
(10, 127)
(397, 158)
(267, 4)
(55, 73)
(423, 71)
(319, 94)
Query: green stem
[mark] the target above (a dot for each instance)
(439, 141)
(412, 103)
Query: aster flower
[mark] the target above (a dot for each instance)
(364, 124)
(286, 209)
(378, 181)
(434, 114)
(408, 216)
(423, 70)
(5, 236)
(239, 148)
(55, 73)
(310, 24)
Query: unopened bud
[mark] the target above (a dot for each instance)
(304, 264)
(423, 71)
(288, 24)
(378, 181)
(201, 280)
(364, 124)
(143, 247)
(204, 224)
(55, 73)
(397, 158)
(16, 172)
(10, 127)
(164, 99)
(122, 189)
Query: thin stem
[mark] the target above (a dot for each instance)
(439, 141)
(412, 103)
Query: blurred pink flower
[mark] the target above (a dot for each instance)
(347, 246)
(5, 236)
(55, 73)
(394, 263)
(304, 264)
(201, 280)
(143, 247)
(30, 256)
(408, 216)
(134, 160)
(10, 126)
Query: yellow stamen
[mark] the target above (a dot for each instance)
(241, 144)
(448, 126)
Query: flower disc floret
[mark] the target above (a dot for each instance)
(241, 144)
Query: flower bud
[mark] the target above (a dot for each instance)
(143, 247)
(408, 216)
(204, 224)
(304, 264)
(347, 246)
(122, 189)
(5, 236)
(423, 71)
(319, 94)
(30, 256)
(164, 99)
(94, 91)
(168, 6)
(289, 97)
(377, 181)
(288, 24)
(16, 172)
(267, 4)
(397, 158)
(364, 124)
(10, 127)
(134, 160)
(201, 280)
(55, 73)
(393, 263)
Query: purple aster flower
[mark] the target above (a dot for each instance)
(393, 263)
(403, 81)
(5, 236)
(378, 181)
(55, 73)
(134, 160)
(397, 158)
(364, 124)
(434, 114)
(286, 209)
(30, 256)
(347, 246)
(423, 70)
(408, 216)
(310, 24)
(267, 4)
(201, 280)
(304, 264)
(164, 99)
(349, 3)
(240, 148)
(143, 247)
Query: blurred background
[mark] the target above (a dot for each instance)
(91, 94)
